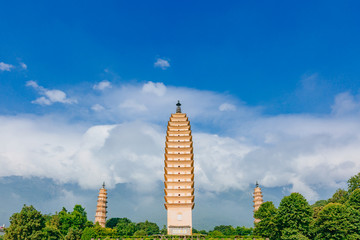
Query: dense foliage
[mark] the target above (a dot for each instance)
(31, 224)
(335, 218)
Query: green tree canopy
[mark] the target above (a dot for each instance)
(292, 234)
(354, 199)
(215, 233)
(294, 212)
(244, 231)
(112, 222)
(267, 226)
(354, 183)
(140, 233)
(149, 227)
(335, 221)
(126, 229)
(28, 224)
(340, 196)
(320, 203)
(97, 231)
(77, 220)
(226, 230)
(163, 231)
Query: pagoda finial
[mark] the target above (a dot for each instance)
(103, 184)
(178, 109)
(257, 184)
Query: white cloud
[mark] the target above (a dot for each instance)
(97, 107)
(102, 85)
(133, 105)
(158, 88)
(23, 66)
(227, 107)
(345, 104)
(162, 63)
(302, 153)
(5, 67)
(49, 96)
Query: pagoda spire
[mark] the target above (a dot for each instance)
(258, 199)
(178, 108)
(101, 206)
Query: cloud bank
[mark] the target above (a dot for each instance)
(234, 144)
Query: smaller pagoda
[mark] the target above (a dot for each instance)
(101, 206)
(258, 200)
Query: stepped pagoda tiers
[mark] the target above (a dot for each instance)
(258, 200)
(100, 215)
(179, 174)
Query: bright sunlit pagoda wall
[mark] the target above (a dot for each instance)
(258, 200)
(179, 174)
(101, 206)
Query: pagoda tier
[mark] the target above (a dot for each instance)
(179, 174)
(101, 206)
(258, 200)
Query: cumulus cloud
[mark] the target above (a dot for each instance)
(97, 107)
(49, 96)
(102, 85)
(133, 106)
(5, 67)
(158, 88)
(227, 107)
(162, 63)
(23, 65)
(299, 152)
(346, 104)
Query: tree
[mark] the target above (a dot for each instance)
(225, 230)
(98, 231)
(50, 232)
(320, 203)
(295, 213)
(215, 233)
(149, 227)
(204, 232)
(267, 226)
(244, 231)
(354, 183)
(292, 234)
(340, 196)
(124, 226)
(28, 224)
(163, 231)
(73, 234)
(354, 199)
(112, 222)
(77, 220)
(140, 233)
(335, 221)
(126, 229)
(89, 233)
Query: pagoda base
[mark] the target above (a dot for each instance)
(179, 220)
(179, 230)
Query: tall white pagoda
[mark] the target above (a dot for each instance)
(101, 206)
(179, 174)
(258, 200)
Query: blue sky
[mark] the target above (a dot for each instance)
(86, 89)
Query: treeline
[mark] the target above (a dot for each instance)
(335, 218)
(126, 228)
(31, 224)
